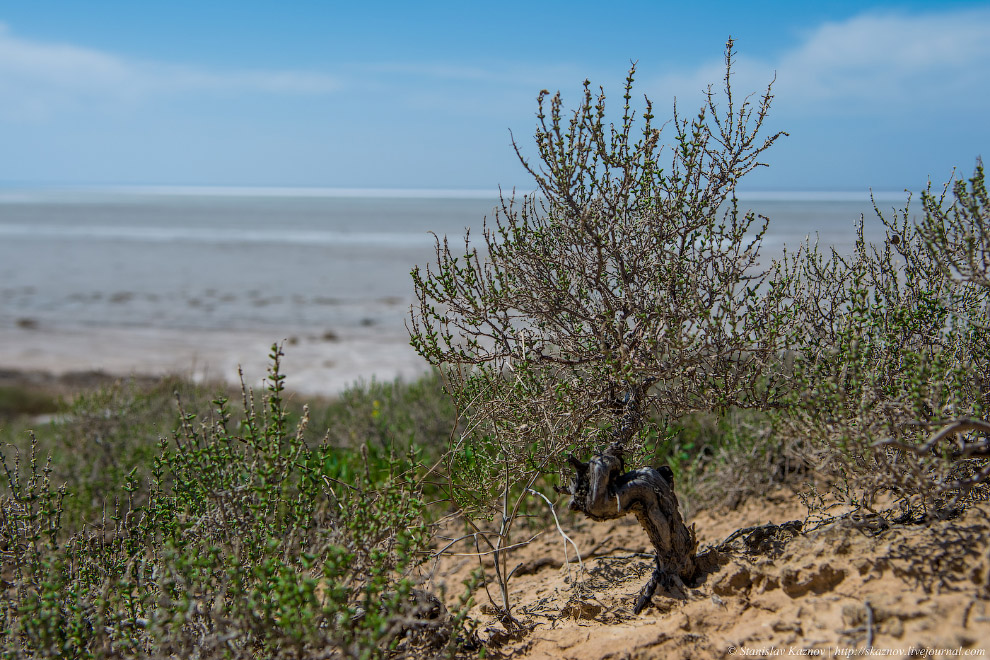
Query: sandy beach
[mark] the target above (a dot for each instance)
(314, 364)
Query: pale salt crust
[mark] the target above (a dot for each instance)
(314, 365)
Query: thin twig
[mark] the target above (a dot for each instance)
(567, 539)
(481, 553)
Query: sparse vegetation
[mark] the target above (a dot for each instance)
(623, 309)
(629, 282)
(233, 538)
(891, 345)
(625, 300)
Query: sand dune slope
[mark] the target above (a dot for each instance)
(836, 591)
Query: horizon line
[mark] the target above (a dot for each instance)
(6, 190)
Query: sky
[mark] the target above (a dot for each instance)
(413, 95)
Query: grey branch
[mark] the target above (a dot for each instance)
(602, 491)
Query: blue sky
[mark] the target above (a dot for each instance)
(423, 95)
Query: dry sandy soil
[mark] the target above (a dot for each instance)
(850, 588)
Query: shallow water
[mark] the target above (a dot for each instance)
(236, 260)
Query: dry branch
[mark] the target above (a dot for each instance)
(965, 449)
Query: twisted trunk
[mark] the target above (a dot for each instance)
(602, 490)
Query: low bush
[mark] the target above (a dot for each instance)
(243, 542)
(385, 416)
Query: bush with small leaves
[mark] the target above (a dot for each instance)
(891, 344)
(629, 282)
(242, 544)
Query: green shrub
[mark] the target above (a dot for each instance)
(890, 344)
(17, 401)
(241, 543)
(390, 416)
(98, 436)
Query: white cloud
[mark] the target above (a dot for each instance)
(36, 79)
(443, 71)
(874, 62)
(167, 78)
(39, 79)
(891, 58)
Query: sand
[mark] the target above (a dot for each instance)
(320, 364)
(846, 589)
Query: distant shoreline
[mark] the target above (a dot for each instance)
(10, 192)
(318, 365)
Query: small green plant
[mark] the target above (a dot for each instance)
(100, 434)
